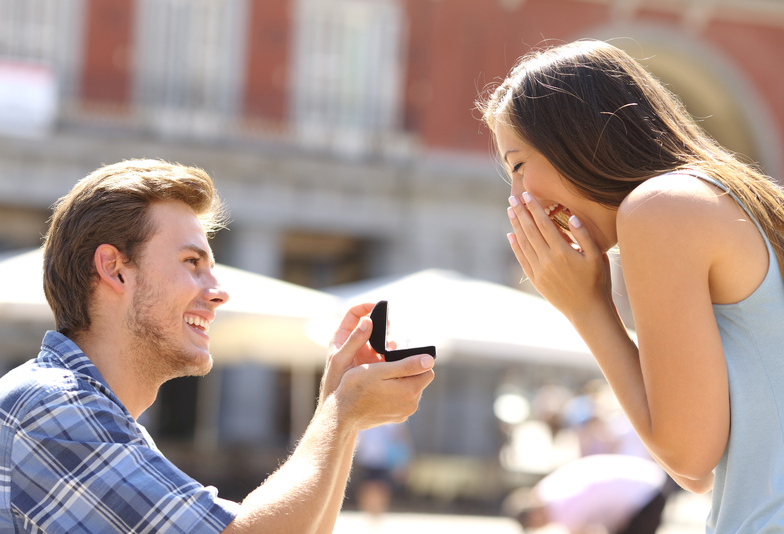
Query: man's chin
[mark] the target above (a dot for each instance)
(199, 363)
(203, 365)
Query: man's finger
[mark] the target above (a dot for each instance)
(349, 323)
(356, 340)
(411, 366)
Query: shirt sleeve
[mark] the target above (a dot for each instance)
(79, 464)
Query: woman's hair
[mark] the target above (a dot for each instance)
(607, 125)
(111, 206)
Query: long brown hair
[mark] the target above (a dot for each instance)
(110, 206)
(607, 125)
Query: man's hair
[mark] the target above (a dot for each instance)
(111, 206)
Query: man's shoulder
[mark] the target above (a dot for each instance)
(43, 387)
(29, 384)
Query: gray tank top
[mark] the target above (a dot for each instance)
(748, 492)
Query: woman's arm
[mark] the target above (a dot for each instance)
(668, 242)
(674, 388)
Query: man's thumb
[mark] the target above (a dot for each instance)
(356, 340)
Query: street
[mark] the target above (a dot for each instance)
(685, 514)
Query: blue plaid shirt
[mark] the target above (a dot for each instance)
(74, 460)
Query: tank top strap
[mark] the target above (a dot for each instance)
(702, 176)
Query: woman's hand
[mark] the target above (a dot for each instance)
(573, 277)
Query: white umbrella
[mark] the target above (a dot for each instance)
(469, 318)
(22, 298)
(264, 320)
(267, 320)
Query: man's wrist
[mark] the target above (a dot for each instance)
(332, 412)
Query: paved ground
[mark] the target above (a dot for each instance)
(401, 523)
(685, 514)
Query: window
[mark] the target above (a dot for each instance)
(347, 71)
(44, 32)
(320, 260)
(189, 64)
(39, 49)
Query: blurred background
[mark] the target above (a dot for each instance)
(342, 136)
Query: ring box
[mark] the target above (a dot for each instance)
(378, 337)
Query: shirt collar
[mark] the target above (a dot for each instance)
(59, 349)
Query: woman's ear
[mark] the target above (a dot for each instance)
(110, 266)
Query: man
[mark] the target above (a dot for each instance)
(596, 494)
(128, 272)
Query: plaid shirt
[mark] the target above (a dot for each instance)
(74, 460)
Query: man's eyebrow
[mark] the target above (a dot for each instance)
(201, 253)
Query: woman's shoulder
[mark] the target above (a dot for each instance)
(675, 199)
(675, 211)
(678, 215)
(683, 216)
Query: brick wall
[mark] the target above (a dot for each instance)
(107, 61)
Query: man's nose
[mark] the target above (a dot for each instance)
(216, 294)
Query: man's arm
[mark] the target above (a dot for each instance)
(306, 493)
(336, 367)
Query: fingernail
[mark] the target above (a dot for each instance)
(511, 213)
(526, 197)
(513, 201)
(511, 238)
(363, 324)
(575, 221)
(427, 361)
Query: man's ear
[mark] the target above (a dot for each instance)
(110, 266)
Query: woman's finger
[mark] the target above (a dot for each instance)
(522, 239)
(527, 228)
(584, 240)
(521, 259)
(550, 233)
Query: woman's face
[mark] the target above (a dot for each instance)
(530, 171)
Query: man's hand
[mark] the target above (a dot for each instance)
(385, 392)
(348, 348)
(372, 392)
(358, 391)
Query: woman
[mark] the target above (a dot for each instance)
(601, 155)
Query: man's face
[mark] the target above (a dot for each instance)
(175, 296)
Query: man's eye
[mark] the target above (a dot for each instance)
(194, 261)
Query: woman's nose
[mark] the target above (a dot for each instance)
(518, 187)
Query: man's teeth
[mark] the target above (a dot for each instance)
(198, 321)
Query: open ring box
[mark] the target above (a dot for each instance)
(378, 337)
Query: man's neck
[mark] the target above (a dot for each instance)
(114, 360)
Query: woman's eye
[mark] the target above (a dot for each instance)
(516, 167)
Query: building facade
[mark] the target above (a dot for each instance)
(341, 133)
